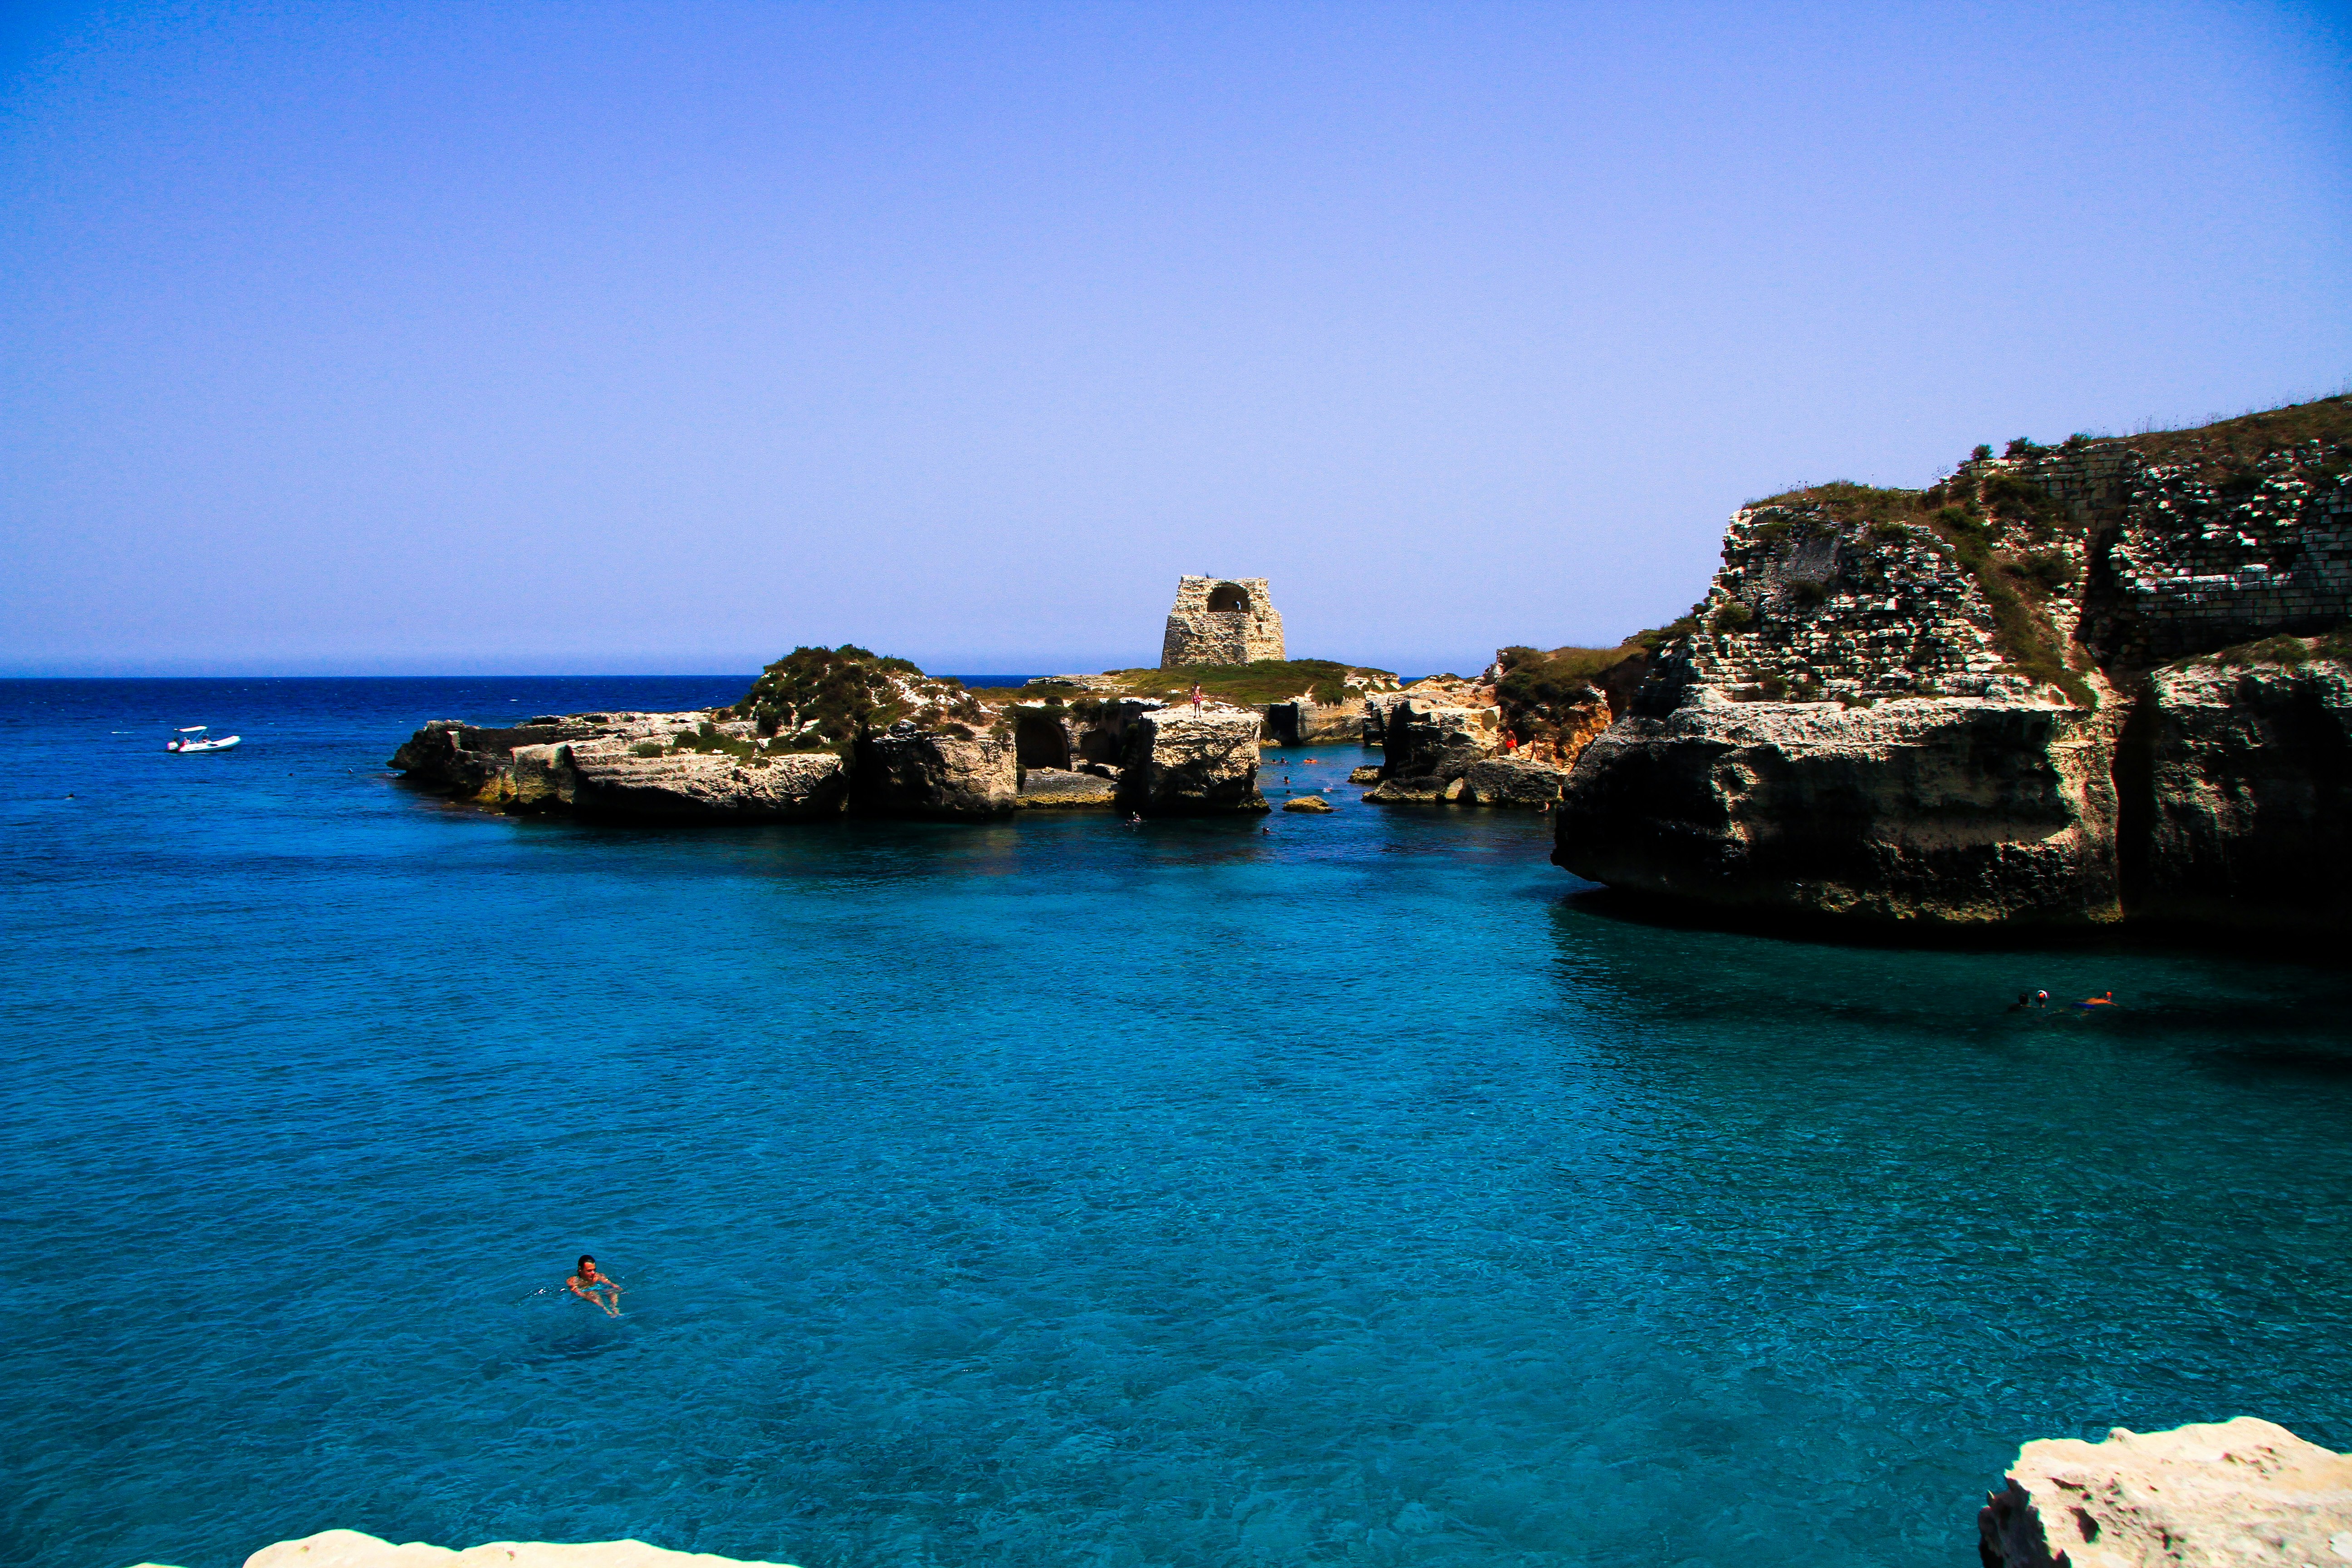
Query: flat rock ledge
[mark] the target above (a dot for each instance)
(2231, 1492)
(350, 1549)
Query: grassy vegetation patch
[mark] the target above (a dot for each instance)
(2016, 594)
(2235, 443)
(2334, 647)
(1544, 694)
(819, 699)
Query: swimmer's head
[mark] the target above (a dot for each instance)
(587, 1263)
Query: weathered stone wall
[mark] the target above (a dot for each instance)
(1821, 609)
(1222, 620)
(2191, 560)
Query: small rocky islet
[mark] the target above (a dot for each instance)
(2109, 679)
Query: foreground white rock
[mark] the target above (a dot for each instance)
(2230, 1492)
(350, 1549)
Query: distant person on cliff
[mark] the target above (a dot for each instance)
(591, 1286)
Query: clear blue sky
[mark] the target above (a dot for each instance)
(412, 338)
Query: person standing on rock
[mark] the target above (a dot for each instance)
(591, 1286)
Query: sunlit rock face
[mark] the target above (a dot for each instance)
(2219, 1495)
(1188, 760)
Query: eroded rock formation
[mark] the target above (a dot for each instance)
(2218, 1495)
(1188, 760)
(1940, 705)
(909, 770)
(1428, 746)
(2244, 772)
(822, 730)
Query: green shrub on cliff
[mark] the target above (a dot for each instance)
(2233, 444)
(818, 699)
(1656, 638)
(1544, 694)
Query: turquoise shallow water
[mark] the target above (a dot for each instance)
(1060, 1193)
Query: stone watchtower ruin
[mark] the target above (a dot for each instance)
(1222, 620)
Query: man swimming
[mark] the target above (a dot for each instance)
(591, 1286)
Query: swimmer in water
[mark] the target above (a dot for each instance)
(2105, 999)
(591, 1286)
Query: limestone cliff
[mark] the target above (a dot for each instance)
(1991, 702)
(1188, 760)
(2211, 1495)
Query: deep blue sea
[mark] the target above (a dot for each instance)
(1061, 1194)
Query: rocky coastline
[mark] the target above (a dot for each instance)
(2208, 1495)
(832, 733)
(2068, 686)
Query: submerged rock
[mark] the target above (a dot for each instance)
(1187, 761)
(2206, 1495)
(350, 1549)
(1307, 803)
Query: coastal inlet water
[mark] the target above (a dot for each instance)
(1061, 1193)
